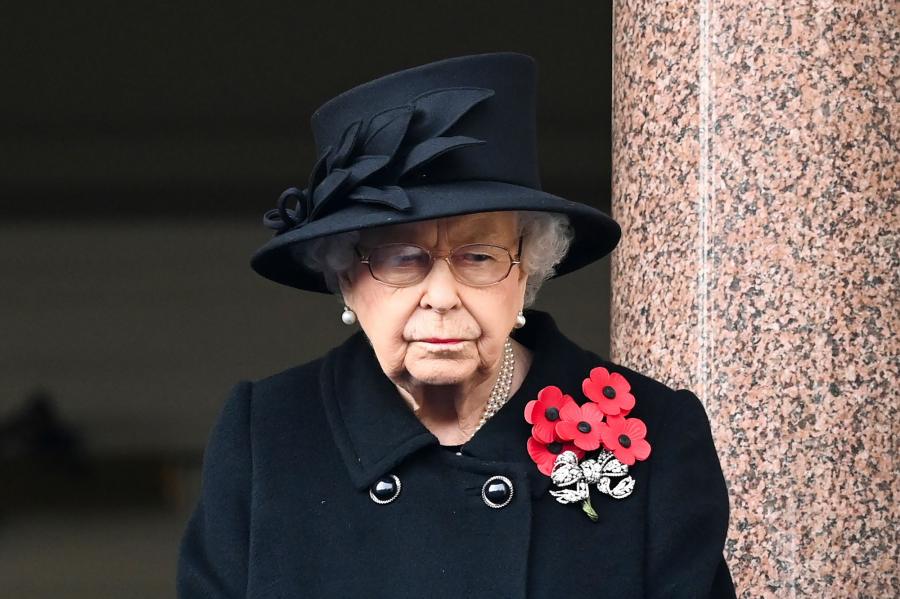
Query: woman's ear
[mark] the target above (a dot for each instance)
(345, 282)
(523, 281)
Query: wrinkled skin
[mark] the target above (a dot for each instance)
(446, 385)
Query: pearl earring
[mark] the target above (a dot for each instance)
(348, 316)
(520, 320)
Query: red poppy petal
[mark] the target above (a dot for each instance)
(592, 413)
(567, 401)
(550, 393)
(588, 441)
(625, 456)
(591, 390)
(567, 429)
(541, 456)
(544, 431)
(556, 402)
(635, 428)
(609, 407)
(625, 401)
(536, 450)
(529, 407)
(569, 446)
(600, 376)
(546, 466)
(570, 410)
(619, 382)
(616, 424)
(609, 437)
(640, 448)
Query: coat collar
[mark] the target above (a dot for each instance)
(375, 430)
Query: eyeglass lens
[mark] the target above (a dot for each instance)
(474, 264)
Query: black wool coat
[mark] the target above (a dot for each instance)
(285, 509)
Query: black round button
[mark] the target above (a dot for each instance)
(609, 392)
(625, 441)
(385, 489)
(497, 491)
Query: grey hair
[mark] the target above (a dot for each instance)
(546, 237)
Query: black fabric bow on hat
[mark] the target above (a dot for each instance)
(392, 145)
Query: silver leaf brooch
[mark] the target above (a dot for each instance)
(564, 436)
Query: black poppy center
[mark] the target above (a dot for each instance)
(584, 427)
(625, 441)
(552, 414)
(609, 392)
(555, 447)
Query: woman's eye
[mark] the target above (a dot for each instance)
(473, 258)
(407, 260)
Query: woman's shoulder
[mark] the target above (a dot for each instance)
(299, 384)
(289, 380)
(305, 373)
(652, 389)
(654, 398)
(284, 404)
(665, 408)
(570, 363)
(661, 405)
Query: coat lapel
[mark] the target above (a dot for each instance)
(373, 427)
(375, 430)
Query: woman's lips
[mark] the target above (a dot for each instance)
(445, 341)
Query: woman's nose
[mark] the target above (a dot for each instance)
(441, 288)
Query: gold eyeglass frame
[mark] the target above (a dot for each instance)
(513, 260)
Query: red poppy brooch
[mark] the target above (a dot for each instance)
(563, 432)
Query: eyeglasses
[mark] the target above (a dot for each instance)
(406, 264)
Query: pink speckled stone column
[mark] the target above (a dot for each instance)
(755, 168)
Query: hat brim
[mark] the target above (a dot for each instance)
(596, 234)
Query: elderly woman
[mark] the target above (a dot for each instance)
(458, 444)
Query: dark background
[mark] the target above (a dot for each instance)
(140, 144)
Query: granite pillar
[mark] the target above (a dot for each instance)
(755, 168)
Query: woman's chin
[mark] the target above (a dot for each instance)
(441, 371)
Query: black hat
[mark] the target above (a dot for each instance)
(451, 137)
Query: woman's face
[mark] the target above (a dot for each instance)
(403, 323)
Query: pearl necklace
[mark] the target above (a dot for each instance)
(500, 390)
